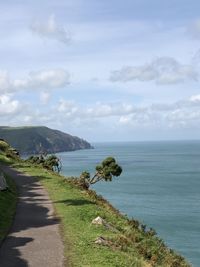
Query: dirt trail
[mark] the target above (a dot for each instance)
(34, 239)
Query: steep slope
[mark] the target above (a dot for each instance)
(41, 139)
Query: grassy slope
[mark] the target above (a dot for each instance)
(77, 209)
(130, 244)
(8, 200)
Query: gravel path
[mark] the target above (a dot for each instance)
(34, 239)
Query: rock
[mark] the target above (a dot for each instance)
(101, 241)
(99, 221)
(3, 183)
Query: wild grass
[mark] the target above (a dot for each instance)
(8, 200)
(128, 243)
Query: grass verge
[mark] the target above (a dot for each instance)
(8, 200)
(127, 242)
(5, 160)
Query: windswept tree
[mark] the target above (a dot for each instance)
(51, 162)
(104, 171)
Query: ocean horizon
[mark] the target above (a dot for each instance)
(159, 186)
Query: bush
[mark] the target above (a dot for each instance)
(51, 162)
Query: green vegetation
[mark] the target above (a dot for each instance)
(7, 153)
(117, 242)
(126, 242)
(51, 162)
(4, 146)
(104, 171)
(8, 199)
(40, 139)
(76, 210)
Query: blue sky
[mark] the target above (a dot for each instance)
(102, 70)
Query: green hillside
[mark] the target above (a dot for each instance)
(41, 139)
(118, 242)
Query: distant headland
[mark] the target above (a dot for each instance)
(41, 139)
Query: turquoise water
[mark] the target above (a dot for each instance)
(160, 186)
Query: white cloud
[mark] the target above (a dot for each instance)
(51, 29)
(99, 110)
(67, 107)
(177, 114)
(195, 98)
(44, 97)
(118, 117)
(163, 70)
(44, 79)
(48, 79)
(8, 106)
(5, 83)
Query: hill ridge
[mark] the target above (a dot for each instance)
(41, 139)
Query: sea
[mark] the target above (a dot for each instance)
(159, 186)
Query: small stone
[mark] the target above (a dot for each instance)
(101, 241)
(99, 221)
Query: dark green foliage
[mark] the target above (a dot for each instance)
(105, 171)
(34, 159)
(8, 151)
(51, 162)
(148, 245)
(3, 146)
(108, 169)
(83, 181)
(133, 223)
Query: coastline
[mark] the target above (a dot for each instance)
(127, 243)
(159, 187)
(124, 240)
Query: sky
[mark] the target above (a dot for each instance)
(102, 70)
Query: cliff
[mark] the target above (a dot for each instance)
(41, 139)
